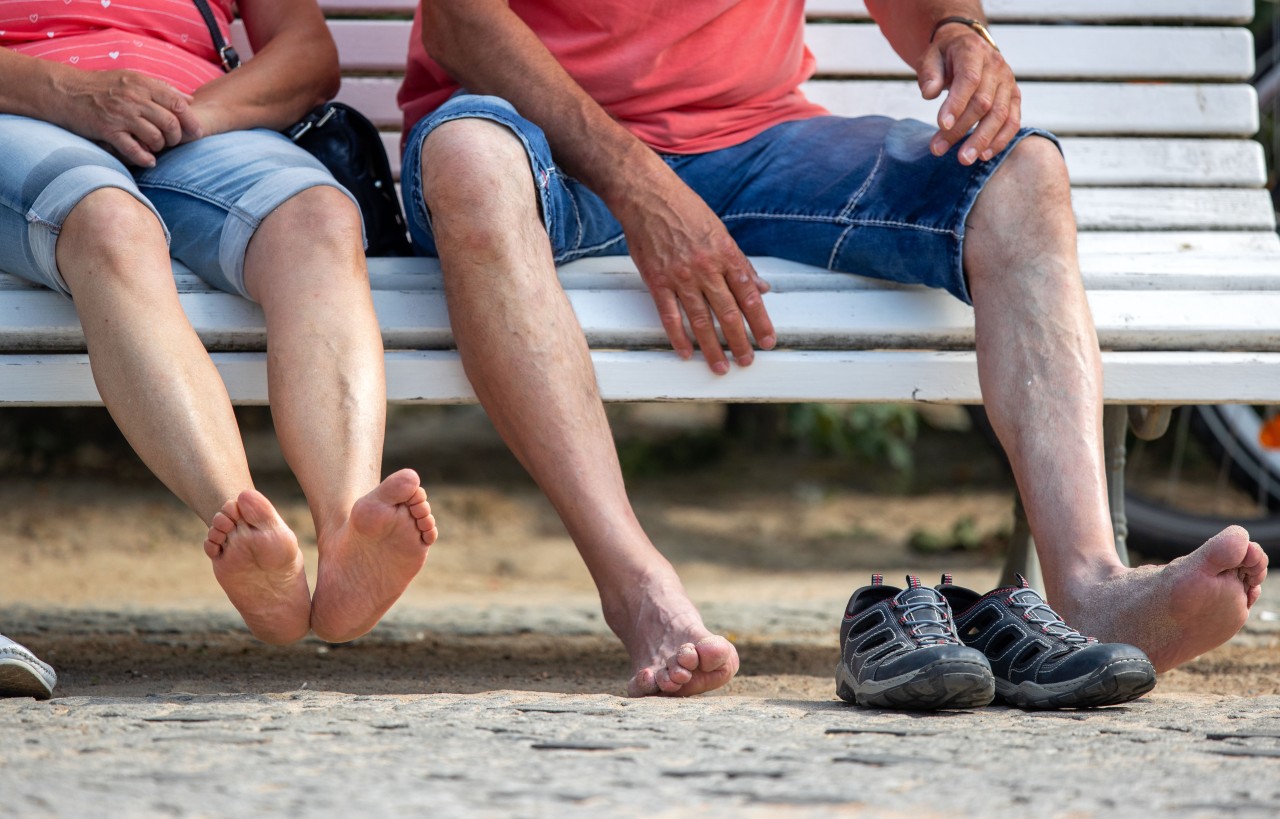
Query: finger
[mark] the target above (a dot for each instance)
(725, 306)
(980, 104)
(966, 79)
(988, 127)
(747, 292)
(931, 76)
(1010, 129)
(672, 321)
(704, 330)
(130, 150)
(166, 123)
(148, 135)
(192, 126)
(1001, 140)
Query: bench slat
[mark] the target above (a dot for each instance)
(1092, 109)
(859, 49)
(1219, 11)
(1085, 109)
(1216, 163)
(863, 318)
(1057, 52)
(782, 375)
(1172, 209)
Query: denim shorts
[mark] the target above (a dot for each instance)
(209, 195)
(857, 195)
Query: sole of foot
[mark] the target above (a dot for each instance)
(367, 562)
(257, 562)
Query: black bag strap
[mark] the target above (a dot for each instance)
(226, 53)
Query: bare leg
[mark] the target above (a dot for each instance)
(165, 394)
(528, 362)
(328, 399)
(1041, 377)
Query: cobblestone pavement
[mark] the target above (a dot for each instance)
(529, 753)
(522, 754)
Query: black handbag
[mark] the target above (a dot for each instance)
(349, 145)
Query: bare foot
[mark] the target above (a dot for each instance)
(368, 561)
(672, 652)
(258, 564)
(1175, 612)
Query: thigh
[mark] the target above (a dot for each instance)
(577, 221)
(45, 172)
(861, 195)
(215, 192)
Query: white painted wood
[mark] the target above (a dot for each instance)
(781, 375)
(1224, 241)
(1110, 161)
(860, 315)
(1216, 163)
(1067, 109)
(1172, 209)
(859, 49)
(1218, 11)
(1056, 52)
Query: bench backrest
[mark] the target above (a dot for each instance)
(1151, 96)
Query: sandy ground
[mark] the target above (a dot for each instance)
(101, 570)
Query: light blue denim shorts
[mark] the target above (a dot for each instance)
(209, 195)
(861, 195)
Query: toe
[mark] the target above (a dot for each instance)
(257, 511)
(642, 684)
(686, 657)
(1224, 551)
(401, 487)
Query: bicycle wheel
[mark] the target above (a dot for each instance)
(1210, 470)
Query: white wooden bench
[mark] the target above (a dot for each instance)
(1178, 245)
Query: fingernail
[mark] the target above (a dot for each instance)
(745, 360)
(938, 146)
(968, 155)
(948, 121)
(720, 367)
(987, 154)
(768, 341)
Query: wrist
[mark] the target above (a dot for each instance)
(956, 22)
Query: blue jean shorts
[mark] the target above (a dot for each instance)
(209, 195)
(856, 195)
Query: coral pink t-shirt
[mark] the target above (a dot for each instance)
(685, 76)
(165, 39)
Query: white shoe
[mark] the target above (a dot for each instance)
(23, 674)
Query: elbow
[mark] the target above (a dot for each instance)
(328, 86)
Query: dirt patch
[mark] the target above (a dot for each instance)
(770, 544)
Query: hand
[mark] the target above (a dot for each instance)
(689, 261)
(981, 91)
(135, 115)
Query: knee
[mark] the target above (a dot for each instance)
(320, 217)
(476, 179)
(1035, 165)
(111, 233)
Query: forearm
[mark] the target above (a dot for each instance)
(29, 86)
(294, 68)
(489, 50)
(908, 24)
